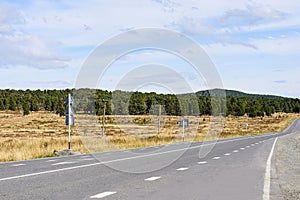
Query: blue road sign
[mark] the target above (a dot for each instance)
(71, 120)
(66, 102)
(71, 111)
(184, 122)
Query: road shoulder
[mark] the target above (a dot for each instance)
(286, 168)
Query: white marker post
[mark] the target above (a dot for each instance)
(159, 114)
(183, 130)
(69, 120)
(69, 117)
(103, 117)
(183, 123)
(246, 126)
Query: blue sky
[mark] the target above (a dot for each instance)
(253, 44)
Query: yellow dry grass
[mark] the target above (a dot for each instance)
(33, 136)
(40, 133)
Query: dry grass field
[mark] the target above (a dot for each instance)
(40, 133)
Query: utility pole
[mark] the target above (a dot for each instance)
(103, 117)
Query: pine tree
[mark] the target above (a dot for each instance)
(2, 107)
(26, 108)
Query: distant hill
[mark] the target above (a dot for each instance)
(232, 93)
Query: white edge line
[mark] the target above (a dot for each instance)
(17, 165)
(101, 195)
(86, 159)
(48, 172)
(267, 180)
(63, 163)
(111, 161)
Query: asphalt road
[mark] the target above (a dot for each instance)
(233, 169)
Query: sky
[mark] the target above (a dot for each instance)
(254, 45)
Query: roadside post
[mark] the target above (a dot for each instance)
(247, 125)
(69, 117)
(183, 123)
(103, 117)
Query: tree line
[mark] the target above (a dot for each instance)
(138, 103)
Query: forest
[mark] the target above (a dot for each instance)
(208, 102)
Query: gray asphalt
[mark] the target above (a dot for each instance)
(233, 169)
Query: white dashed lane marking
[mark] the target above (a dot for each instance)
(235, 151)
(154, 178)
(202, 162)
(102, 195)
(182, 169)
(227, 154)
(216, 158)
(17, 165)
(242, 148)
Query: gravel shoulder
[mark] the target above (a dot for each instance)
(286, 168)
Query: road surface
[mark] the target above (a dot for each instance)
(234, 169)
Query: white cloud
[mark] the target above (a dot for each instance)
(279, 46)
(193, 27)
(253, 14)
(19, 48)
(42, 34)
(168, 5)
(269, 46)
